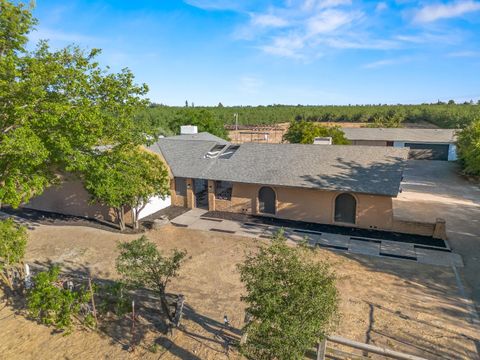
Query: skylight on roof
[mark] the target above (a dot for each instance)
(227, 154)
(215, 151)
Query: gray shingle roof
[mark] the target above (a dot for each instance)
(401, 134)
(362, 169)
(200, 136)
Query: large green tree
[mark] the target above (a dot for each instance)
(469, 148)
(304, 132)
(125, 179)
(141, 264)
(56, 107)
(204, 119)
(292, 300)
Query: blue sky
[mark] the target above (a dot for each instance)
(249, 52)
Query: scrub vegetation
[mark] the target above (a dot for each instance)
(443, 115)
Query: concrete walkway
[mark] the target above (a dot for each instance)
(358, 245)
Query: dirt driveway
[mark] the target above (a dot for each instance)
(434, 189)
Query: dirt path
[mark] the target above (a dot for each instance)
(403, 305)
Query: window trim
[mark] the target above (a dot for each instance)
(177, 193)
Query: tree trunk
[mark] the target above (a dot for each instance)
(6, 278)
(135, 219)
(164, 303)
(121, 218)
(135, 213)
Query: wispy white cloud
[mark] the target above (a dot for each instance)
(387, 62)
(464, 54)
(328, 21)
(216, 4)
(434, 12)
(62, 36)
(286, 46)
(250, 84)
(268, 20)
(307, 29)
(381, 6)
(294, 29)
(445, 38)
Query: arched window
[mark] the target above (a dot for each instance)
(345, 208)
(267, 200)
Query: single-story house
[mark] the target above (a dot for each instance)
(424, 144)
(328, 184)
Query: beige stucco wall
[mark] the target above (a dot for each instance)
(308, 205)
(311, 205)
(71, 198)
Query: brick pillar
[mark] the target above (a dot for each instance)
(173, 194)
(211, 195)
(440, 230)
(190, 194)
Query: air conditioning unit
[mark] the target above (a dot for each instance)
(188, 130)
(322, 141)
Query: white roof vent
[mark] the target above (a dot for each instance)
(322, 141)
(188, 130)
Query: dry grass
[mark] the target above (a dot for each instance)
(403, 305)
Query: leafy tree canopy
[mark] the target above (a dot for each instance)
(304, 132)
(469, 148)
(13, 243)
(126, 177)
(291, 298)
(204, 119)
(55, 108)
(142, 265)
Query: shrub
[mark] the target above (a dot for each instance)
(13, 242)
(114, 298)
(469, 148)
(51, 304)
(291, 299)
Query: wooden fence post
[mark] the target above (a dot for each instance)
(93, 300)
(322, 349)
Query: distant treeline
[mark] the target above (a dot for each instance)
(443, 115)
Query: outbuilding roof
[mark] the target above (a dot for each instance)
(402, 134)
(361, 169)
(200, 136)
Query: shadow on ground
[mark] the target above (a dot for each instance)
(151, 331)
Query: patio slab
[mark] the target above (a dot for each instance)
(435, 257)
(391, 249)
(364, 247)
(397, 249)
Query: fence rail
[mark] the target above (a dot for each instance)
(366, 348)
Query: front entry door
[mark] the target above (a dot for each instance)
(200, 188)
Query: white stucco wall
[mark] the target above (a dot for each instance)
(155, 204)
(452, 152)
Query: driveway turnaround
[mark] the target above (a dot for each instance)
(434, 189)
(197, 219)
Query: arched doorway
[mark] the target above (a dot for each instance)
(266, 200)
(345, 208)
